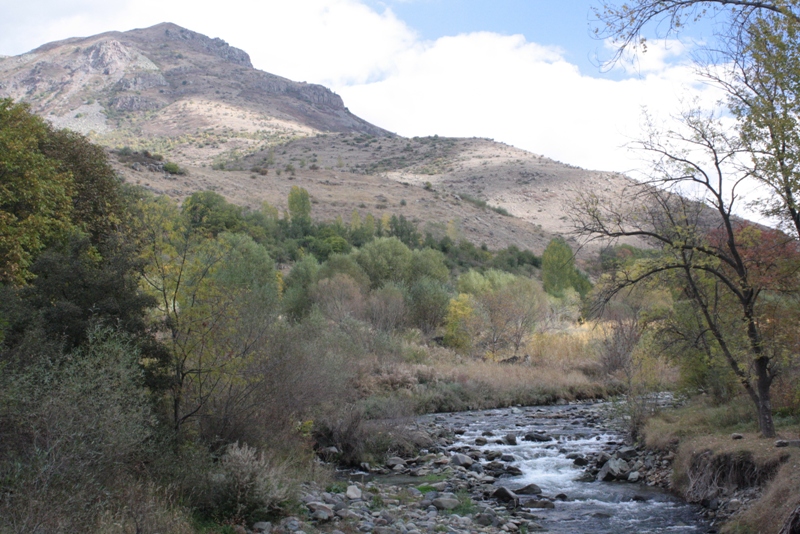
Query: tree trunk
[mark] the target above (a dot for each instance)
(764, 404)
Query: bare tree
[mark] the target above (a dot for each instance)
(723, 264)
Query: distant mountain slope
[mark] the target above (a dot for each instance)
(168, 86)
(251, 136)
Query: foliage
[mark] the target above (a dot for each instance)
(35, 193)
(559, 271)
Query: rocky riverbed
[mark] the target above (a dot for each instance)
(557, 469)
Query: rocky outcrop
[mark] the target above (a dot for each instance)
(197, 41)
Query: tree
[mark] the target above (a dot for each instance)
(35, 192)
(725, 267)
(559, 271)
(299, 206)
(756, 61)
(216, 298)
(626, 24)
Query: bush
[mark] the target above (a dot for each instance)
(248, 486)
(173, 168)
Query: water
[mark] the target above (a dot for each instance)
(596, 507)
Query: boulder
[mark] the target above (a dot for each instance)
(737, 436)
(633, 476)
(537, 436)
(481, 441)
(353, 492)
(504, 494)
(262, 527)
(445, 503)
(530, 489)
(627, 453)
(461, 459)
(614, 469)
(485, 520)
(510, 439)
(395, 461)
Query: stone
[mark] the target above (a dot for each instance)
(264, 527)
(514, 471)
(580, 461)
(537, 436)
(480, 441)
(614, 469)
(461, 459)
(627, 453)
(395, 461)
(508, 458)
(633, 476)
(510, 439)
(504, 494)
(530, 489)
(445, 503)
(485, 520)
(493, 455)
(320, 507)
(353, 492)
(737, 436)
(781, 443)
(476, 468)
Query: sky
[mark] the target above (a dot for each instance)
(523, 72)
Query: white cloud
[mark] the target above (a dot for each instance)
(503, 87)
(479, 84)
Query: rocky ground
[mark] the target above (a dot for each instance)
(456, 487)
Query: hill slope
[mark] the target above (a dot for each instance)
(251, 135)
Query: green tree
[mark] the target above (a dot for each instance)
(385, 259)
(35, 192)
(300, 206)
(216, 298)
(559, 271)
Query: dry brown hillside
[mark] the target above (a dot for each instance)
(251, 135)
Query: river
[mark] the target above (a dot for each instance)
(584, 506)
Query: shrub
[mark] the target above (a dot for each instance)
(248, 486)
(173, 168)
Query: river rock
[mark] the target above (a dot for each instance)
(353, 492)
(510, 439)
(320, 511)
(461, 459)
(480, 441)
(634, 476)
(737, 436)
(395, 461)
(614, 469)
(445, 503)
(530, 489)
(537, 436)
(504, 494)
(262, 527)
(484, 519)
(580, 461)
(627, 453)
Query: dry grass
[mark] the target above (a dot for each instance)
(780, 497)
(701, 427)
(562, 366)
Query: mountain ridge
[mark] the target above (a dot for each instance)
(251, 135)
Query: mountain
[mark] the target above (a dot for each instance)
(251, 135)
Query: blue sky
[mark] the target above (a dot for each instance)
(523, 72)
(566, 24)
